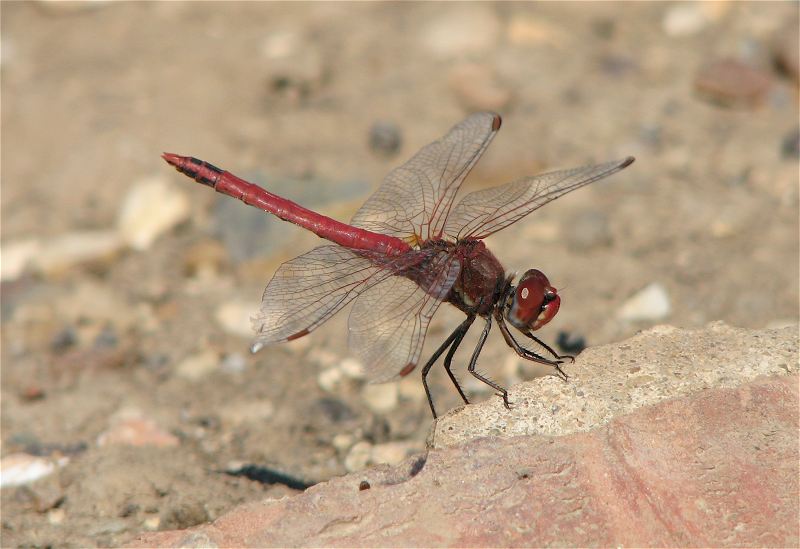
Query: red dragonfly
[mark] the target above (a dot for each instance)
(409, 248)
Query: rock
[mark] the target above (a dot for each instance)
(352, 368)
(19, 469)
(790, 147)
(329, 379)
(56, 516)
(17, 256)
(391, 453)
(732, 83)
(588, 230)
(234, 316)
(477, 88)
(152, 207)
(69, 250)
(358, 457)
(462, 32)
(381, 398)
(649, 304)
(198, 366)
(690, 18)
(385, 138)
(524, 491)
(131, 428)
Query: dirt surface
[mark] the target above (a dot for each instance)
(124, 346)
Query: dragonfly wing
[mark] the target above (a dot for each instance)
(309, 289)
(482, 213)
(388, 322)
(415, 199)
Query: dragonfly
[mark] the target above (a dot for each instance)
(407, 250)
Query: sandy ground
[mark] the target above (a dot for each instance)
(126, 361)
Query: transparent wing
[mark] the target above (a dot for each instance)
(415, 199)
(482, 213)
(309, 289)
(388, 322)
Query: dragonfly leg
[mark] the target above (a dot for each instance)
(462, 329)
(550, 350)
(458, 334)
(474, 361)
(530, 355)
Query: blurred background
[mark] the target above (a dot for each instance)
(129, 400)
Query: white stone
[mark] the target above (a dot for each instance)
(352, 368)
(461, 32)
(342, 441)
(234, 317)
(391, 452)
(151, 207)
(197, 366)
(66, 251)
(381, 398)
(16, 256)
(358, 457)
(19, 469)
(692, 17)
(329, 379)
(649, 304)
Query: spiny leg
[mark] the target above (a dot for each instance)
(550, 350)
(528, 354)
(474, 361)
(463, 328)
(458, 333)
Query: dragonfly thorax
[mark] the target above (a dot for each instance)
(533, 303)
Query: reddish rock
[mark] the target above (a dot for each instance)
(732, 83)
(719, 467)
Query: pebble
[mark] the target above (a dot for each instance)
(352, 368)
(790, 147)
(17, 255)
(342, 441)
(63, 252)
(588, 229)
(461, 32)
(692, 17)
(381, 398)
(732, 83)
(649, 304)
(152, 207)
(477, 88)
(56, 516)
(129, 427)
(19, 469)
(391, 453)
(234, 317)
(358, 457)
(152, 523)
(329, 379)
(385, 138)
(197, 366)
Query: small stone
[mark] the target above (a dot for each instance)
(690, 18)
(588, 230)
(235, 316)
(66, 251)
(462, 32)
(152, 523)
(391, 452)
(476, 87)
(63, 339)
(129, 427)
(649, 304)
(56, 516)
(732, 83)
(342, 441)
(17, 256)
(385, 138)
(790, 147)
(333, 409)
(358, 457)
(152, 207)
(381, 398)
(352, 368)
(20, 469)
(329, 379)
(197, 366)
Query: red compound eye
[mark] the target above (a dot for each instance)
(535, 302)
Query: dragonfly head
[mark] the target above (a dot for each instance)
(534, 302)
